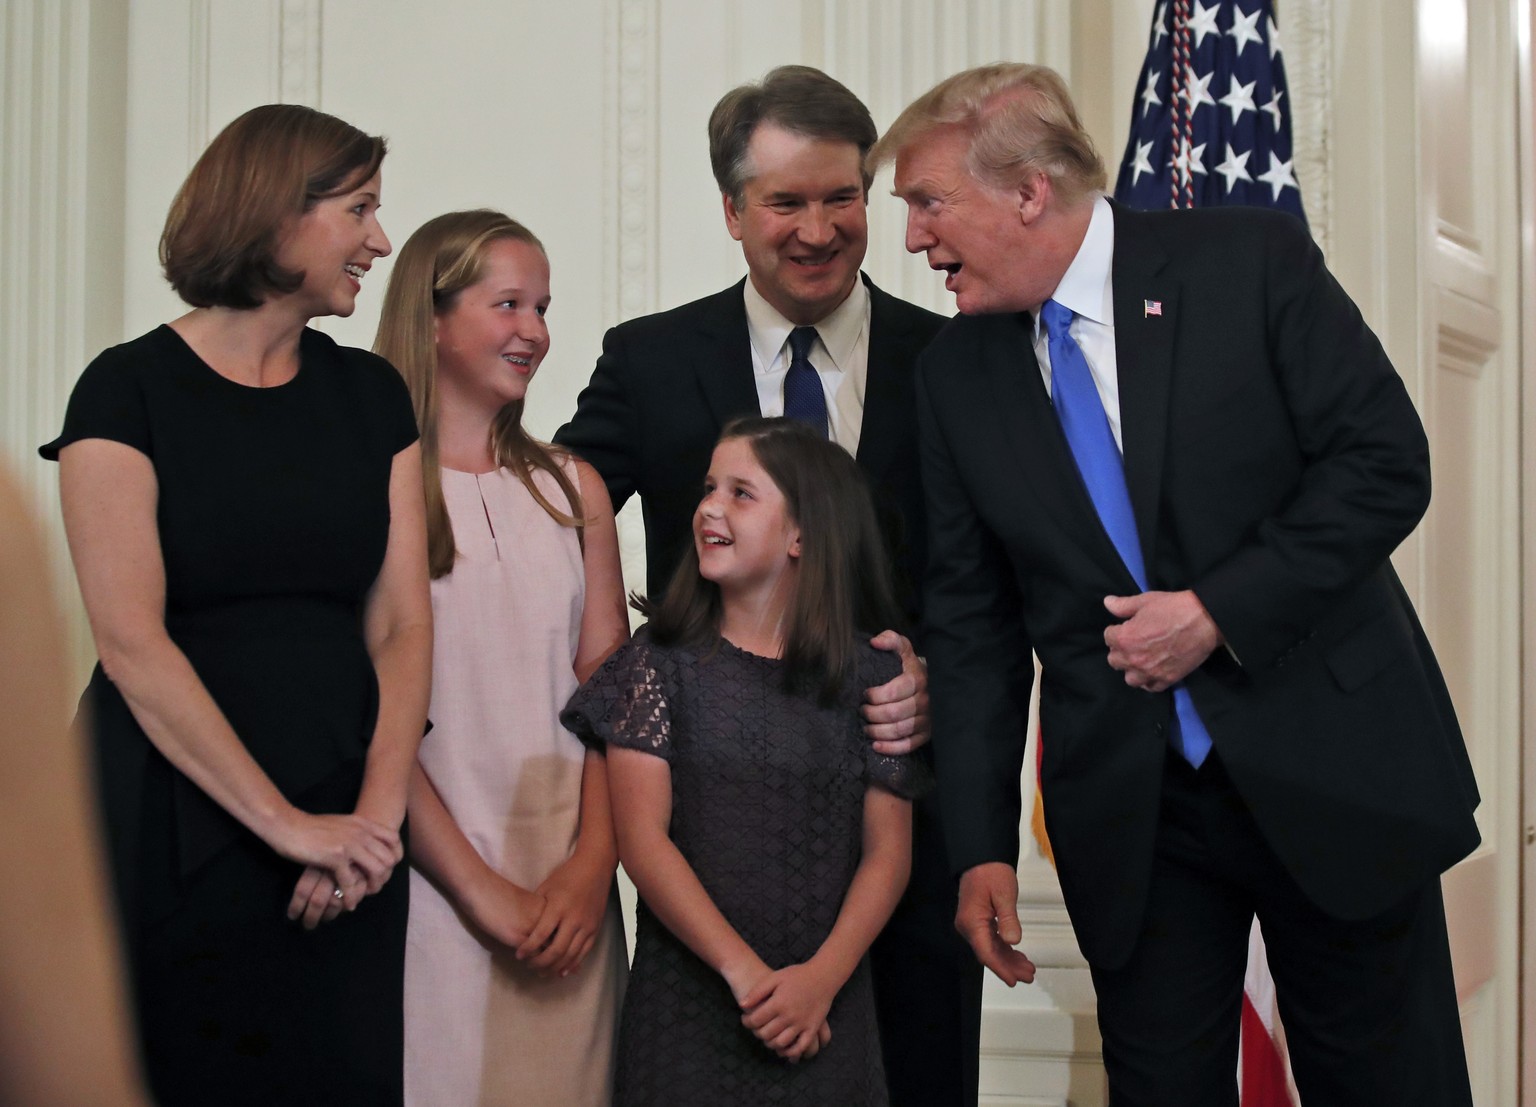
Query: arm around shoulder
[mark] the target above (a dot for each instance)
(603, 431)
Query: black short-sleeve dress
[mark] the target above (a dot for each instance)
(273, 517)
(767, 808)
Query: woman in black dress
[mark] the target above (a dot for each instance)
(243, 503)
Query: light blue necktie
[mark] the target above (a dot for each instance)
(1098, 459)
(803, 396)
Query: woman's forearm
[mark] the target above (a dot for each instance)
(182, 721)
(403, 661)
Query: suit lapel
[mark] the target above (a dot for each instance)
(1027, 422)
(722, 363)
(1146, 302)
(885, 431)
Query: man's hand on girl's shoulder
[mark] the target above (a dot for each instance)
(896, 712)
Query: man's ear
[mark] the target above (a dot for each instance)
(1034, 195)
(732, 216)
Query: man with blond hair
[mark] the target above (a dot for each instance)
(1164, 451)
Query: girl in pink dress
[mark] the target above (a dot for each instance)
(515, 958)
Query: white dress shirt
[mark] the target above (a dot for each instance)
(1087, 291)
(840, 357)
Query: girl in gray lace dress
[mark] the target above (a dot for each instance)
(768, 842)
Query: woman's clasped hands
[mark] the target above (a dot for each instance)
(346, 858)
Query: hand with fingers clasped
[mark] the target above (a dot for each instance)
(346, 857)
(503, 911)
(787, 1010)
(575, 899)
(319, 897)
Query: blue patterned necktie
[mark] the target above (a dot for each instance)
(803, 396)
(1086, 426)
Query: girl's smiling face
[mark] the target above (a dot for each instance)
(493, 336)
(742, 530)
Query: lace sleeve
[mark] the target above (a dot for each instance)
(625, 703)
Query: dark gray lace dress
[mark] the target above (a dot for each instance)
(767, 808)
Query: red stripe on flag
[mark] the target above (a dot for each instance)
(1263, 1075)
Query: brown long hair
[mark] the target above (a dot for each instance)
(444, 257)
(844, 585)
(268, 167)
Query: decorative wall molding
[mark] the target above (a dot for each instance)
(634, 143)
(199, 76)
(299, 36)
(1306, 37)
(630, 212)
(45, 275)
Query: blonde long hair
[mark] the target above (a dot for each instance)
(444, 257)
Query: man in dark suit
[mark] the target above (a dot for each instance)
(804, 335)
(1164, 451)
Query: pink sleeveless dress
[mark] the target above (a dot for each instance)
(480, 1028)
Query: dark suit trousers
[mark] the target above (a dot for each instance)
(1369, 1007)
(928, 983)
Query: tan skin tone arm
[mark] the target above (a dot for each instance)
(576, 893)
(787, 1009)
(642, 809)
(109, 493)
(397, 628)
(64, 1038)
(555, 925)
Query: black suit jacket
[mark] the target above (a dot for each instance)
(666, 385)
(1274, 461)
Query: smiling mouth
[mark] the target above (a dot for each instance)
(517, 360)
(716, 540)
(356, 272)
(816, 260)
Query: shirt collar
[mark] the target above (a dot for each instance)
(1086, 288)
(839, 331)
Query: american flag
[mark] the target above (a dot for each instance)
(1211, 123)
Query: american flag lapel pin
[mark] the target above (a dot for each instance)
(1150, 308)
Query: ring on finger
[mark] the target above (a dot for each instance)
(337, 894)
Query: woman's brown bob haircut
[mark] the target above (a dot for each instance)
(263, 171)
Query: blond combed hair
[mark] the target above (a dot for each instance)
(442, 258)
(1021, 120)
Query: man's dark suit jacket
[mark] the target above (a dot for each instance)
(1274, 462)
(667, 384)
